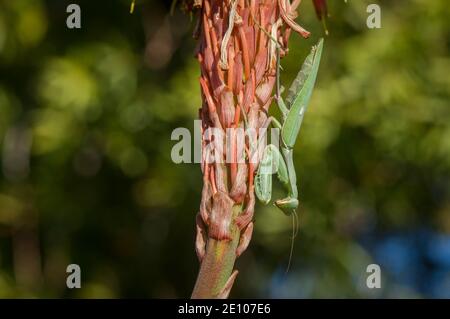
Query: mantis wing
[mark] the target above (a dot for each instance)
(299, 95)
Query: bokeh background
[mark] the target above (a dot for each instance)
(86, 176)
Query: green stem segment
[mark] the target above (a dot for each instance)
(216, 267)
(217, 264)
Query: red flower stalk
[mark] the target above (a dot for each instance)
(237, 52)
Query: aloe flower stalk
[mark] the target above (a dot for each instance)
(239, 41)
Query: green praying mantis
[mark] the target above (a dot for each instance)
(292, 112)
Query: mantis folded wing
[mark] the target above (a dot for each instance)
(293, 111)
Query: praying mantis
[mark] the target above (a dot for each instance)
(292, 112)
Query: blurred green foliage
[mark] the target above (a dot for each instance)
(86, 176)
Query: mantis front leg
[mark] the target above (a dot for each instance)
(289, 204)
(274, 162)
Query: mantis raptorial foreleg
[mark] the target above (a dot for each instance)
(274, 162)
